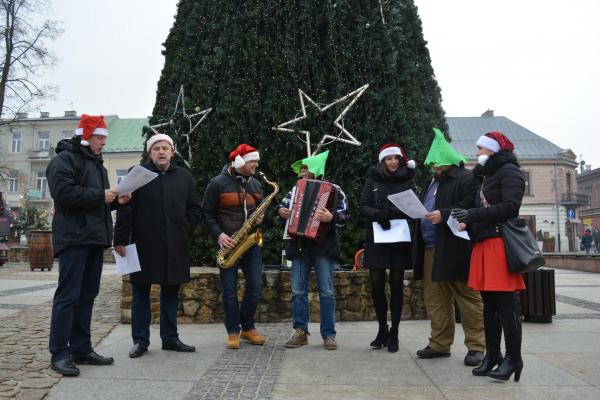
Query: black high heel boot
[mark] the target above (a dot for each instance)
(492, 328)
(382, 337)
(507, 368)
(489, 362)
(393, 340)
(513, 363)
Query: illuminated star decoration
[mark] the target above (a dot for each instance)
(192, 127)
(348, 136)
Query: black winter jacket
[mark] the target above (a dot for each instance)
(228, 201)
(457, 189)
(503, 188)
(373, 199)
(77, 180)
(159, 219)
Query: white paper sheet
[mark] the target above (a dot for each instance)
(408, 203)
(135, 179)
(130, 263)
(398, 232)
(453, 224)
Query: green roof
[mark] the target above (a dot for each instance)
(125, 134)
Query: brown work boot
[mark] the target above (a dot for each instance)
(253, 337)
(233, 341)
(329, 343)
(299, 338)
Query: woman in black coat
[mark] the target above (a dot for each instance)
(498, 200)
(393, 174)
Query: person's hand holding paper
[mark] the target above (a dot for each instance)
(409, 204)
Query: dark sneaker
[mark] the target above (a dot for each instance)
(428, 352)
(473, 358)
(329, 343)
(299, 338)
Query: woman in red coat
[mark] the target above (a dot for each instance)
(498, 200)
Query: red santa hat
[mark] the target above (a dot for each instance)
(495, 141)
(392, 149)
(159, 137)
(242, 154)
(90, 125)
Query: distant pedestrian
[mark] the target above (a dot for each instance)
(596, 237)
(586, 241)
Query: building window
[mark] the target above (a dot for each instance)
(527, 184)
(67, 134)
(43, 140)
(15, 145)
(121, 173)
(41, 185)
(569, 183)
(13, 181)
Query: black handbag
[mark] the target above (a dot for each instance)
(522, 251)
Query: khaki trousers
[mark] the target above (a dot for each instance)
(439, 302)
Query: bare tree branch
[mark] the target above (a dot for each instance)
(23, 53)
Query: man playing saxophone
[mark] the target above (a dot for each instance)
(230, 199)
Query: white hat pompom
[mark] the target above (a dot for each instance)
(411, 164)
(238, 162)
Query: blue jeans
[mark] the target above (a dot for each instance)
(300, 280)
(251, 264)
(141, 314)
(79, 273)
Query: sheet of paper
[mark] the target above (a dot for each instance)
(130, 263)
(398, 232)
(135, 179)
(453, 224)
(408, 203)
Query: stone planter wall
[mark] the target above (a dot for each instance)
(200, 299)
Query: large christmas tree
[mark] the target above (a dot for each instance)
(247, 60)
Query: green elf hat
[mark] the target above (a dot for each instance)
(442, 153)
(315, 164)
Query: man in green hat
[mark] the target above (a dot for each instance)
(442, 259)
(319, 254)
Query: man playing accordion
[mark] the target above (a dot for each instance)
(320, 252)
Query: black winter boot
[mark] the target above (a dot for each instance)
(513, 363)
(393, 340)
(382, 337)
(493, 334)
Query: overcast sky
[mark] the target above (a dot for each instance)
(536, 62)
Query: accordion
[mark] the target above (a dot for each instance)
(307, 197)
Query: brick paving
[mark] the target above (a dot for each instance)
(248, 373)
(24, 358)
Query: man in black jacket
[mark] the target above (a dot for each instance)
(319, 254)
(230, 198)
(159, 219)
(81, 230)
(442, 259)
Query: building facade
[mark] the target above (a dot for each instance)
(551, 205)
(588, 182)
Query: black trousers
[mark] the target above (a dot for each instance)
(141, 314)
(79, 273)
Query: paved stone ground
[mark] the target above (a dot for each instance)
(248, 373)
(24, 358)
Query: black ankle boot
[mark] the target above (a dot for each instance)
(393, 340)
(382, 338)
(489, 362)
(506, 369)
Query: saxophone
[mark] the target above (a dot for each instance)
(243, 238)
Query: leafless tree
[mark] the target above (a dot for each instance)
(24, 52)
